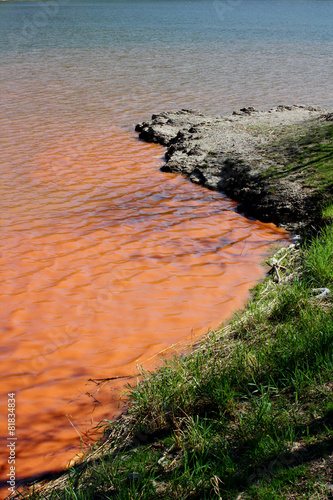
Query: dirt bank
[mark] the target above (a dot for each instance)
(246, 155)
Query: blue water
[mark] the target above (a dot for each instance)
(123, 60)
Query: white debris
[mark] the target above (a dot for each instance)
(322, 292)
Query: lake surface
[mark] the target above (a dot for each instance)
(106, 261)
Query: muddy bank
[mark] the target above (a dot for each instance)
(244, 155)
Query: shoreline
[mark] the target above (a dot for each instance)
(196, 149)
(238, 154)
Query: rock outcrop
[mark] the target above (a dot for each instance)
(232, 154)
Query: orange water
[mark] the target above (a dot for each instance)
(105, 261)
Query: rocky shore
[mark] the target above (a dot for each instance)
(244, 155)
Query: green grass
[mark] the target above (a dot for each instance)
(308, 157)
(327, 213)
(247, 415)
(318, 263)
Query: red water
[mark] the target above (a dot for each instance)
(105, 261)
